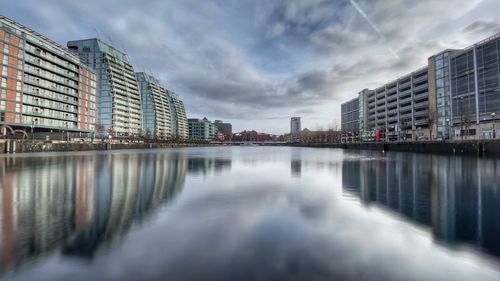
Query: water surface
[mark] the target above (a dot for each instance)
(249, 213)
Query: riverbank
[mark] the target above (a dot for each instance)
(471, 148)
(19, 146)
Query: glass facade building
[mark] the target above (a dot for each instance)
(120, 112)
(201, 129)
(350, 119)
(475, 88)
(180, 127)
(156, 115)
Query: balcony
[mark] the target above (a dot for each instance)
(421, 97)
(420, 79)
(405, 85)
(420, 88)
(405, 109)
(421, 105)
(421, 113)
(49, 95)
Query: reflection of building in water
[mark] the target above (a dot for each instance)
(296, 167)
(459, 198)
(204, 165)
(80, 201)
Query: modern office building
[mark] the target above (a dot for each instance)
(120, 112)
(180, 127)
(156, 114)
(201, 129)
(350, 120)
(456, 96)
(475, 89)
(295, 126)
(224, 128)
(43, 85)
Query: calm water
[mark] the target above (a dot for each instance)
(249, 213)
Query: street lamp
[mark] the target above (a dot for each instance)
(462, 117)
(493, 115)
(32, 126)
(448, 127)
(415, 131)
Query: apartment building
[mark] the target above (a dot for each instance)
(180, 127)
(120, 112)
(157, 117)
(44, 87)
(201, 129)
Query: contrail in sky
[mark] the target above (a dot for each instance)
(370, 22)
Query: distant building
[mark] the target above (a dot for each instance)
(201, 129)
(180, 127)
(120, 111)
(224, 128)
(295, 126)
(43, 85)
(157, 118)
(247, 136)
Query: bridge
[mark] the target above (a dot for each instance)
(250, 143)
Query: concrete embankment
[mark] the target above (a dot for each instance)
(17, 146)
(471, 148)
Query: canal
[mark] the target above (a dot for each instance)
(249, 213)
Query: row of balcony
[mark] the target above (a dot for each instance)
(51, 67)
(49, 95)
(53, 78)
(50, 57)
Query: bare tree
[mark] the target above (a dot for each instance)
(431, 126)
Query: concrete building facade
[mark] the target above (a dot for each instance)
(120, 112)
(43, 85)
(156, 114)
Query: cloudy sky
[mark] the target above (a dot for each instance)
(256, 63)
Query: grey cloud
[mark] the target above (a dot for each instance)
(482, 26)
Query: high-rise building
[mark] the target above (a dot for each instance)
(224, 128)
(120, 112)
(43, 85)
(156, 114)
(295, 127)
(201, 129)
(180, 127)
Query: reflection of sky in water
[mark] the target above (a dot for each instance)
(261, 214)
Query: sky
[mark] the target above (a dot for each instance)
(256, 63)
